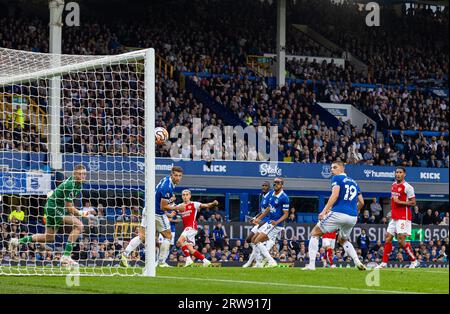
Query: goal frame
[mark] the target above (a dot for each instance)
(148, 56)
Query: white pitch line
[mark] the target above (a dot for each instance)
(290, 285)
(412, 270)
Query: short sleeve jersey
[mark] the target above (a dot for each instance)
(348, 195)
(164, 190)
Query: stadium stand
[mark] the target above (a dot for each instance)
(207, 40)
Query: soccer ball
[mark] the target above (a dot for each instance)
(161, 135)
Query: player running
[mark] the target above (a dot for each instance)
(60, 212)
(402, 198)
(278, 208)
(340, 212)
(264, 203)
(186, 241)
(328, 244)
(165, 197)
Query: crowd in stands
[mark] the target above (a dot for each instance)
(212, 239)
(217, 247)
(113, 123)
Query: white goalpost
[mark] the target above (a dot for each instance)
(59, 111)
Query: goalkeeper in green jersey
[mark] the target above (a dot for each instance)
(61, 212)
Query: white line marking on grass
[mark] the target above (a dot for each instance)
(422, 270)
(290, 285)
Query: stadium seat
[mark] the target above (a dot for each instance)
(110, 214)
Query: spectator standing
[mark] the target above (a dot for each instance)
(428, 218)
(376, 210)
(218, 236)
(436, 218)
(363, 243)
(417, 216)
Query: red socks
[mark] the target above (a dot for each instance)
(387, 251)
(199, 255)
(410, 252)
(185, 251)
(330, 256)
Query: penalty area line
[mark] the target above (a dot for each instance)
(290, 285)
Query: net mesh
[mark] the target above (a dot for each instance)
(101, 125)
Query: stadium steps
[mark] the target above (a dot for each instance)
(328, 44)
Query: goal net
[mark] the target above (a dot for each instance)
(59, 112)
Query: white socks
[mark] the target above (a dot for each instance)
(164, 251)
(350, 250)
(134, 243)
(313, 248)
(265, 252)
(252, 255)
(269, 244)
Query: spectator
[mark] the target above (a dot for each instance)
(101, 212)
(363, 243)
(122, 215)
(291, 218)
(436, 218)
(89, 211)
(417, 216)
(428, 218)
(17, 215)
(218, 236)
(376, 210)
(366, 219)
(445, 221)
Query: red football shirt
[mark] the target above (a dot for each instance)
(404, 191)
(329, 235)
(190, 214)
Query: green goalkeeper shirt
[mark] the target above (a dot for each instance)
(64, 193)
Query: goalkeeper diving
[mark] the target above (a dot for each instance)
(61, 212)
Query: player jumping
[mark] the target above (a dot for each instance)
(61, 212)
(186, 241)
(278, 208)
(340, 212)
(264, 203)
(402, 198)
(328, 244)
(165, 197)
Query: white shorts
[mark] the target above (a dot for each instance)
(399, 226)
(271, 231)
(338, 221)
(172, 241)
(162, 222)
(255, 229)
(327, 242)
(144, 219)
(189, 233)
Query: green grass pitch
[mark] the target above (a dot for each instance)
(227, 280)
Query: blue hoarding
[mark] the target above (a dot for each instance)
(25, 162)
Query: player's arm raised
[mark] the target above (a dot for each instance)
(209, 205)
(333, 198)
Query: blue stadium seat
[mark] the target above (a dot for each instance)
(110, 214)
